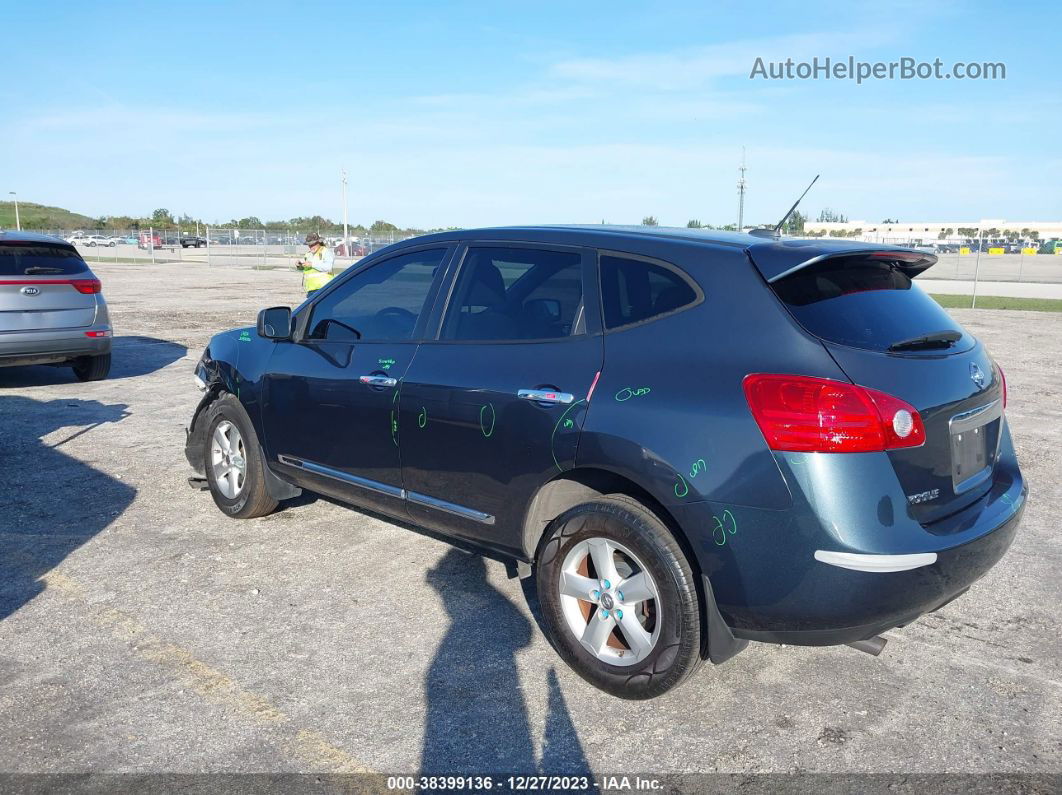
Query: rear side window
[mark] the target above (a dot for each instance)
(37, 260)
(516, 293)
(634, 290)
(862, 303)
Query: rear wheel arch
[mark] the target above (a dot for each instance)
(581, 485)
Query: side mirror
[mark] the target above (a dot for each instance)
(275, 323)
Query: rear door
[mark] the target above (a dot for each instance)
(44, 287)
(886, 333)
(494, 407)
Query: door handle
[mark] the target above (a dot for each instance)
(545, 396)
(378, 380)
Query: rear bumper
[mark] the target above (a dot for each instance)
(844, 605)
(44, 347)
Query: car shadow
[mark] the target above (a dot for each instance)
(42, 517)
(132, 356)
(477, 720)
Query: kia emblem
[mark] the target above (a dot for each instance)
(31, 290)
(976, 375)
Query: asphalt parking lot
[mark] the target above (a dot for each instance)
(141, 630)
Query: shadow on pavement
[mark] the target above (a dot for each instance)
(131, 357)
(477, 721)
(50, 503)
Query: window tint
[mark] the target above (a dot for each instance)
(381, 303)
(863, 303)
(516, 294)
(634, 290)
(32, 260)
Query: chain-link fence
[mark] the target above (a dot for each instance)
(215, 246)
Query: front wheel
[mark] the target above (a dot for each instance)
(619, 598)
(234, 468)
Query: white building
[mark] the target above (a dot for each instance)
(930, 231)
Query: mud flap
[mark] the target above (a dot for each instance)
(720, 643)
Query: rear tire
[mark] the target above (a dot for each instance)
(235, 470)
(92, 368)
(634, 660)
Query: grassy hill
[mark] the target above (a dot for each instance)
(39, 216)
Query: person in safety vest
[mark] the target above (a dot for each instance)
(316, 267)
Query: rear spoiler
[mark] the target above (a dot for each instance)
(777, 261)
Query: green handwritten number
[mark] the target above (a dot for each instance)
(565, 421)
(422, 418)
(682, 488)
(723, 525)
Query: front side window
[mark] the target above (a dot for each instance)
(505, 293)
(633, 290)
(381, 303)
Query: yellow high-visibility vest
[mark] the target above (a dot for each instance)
(313, 279)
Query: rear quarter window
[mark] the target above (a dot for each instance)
(633, 291)
(862, 303)
(36, 260)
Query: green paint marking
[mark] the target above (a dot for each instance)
(385, 363)
(627, 393)
(1006, 498)
(493, 419)
(682, 488)
(422, 418)
(245, 336)
(567, 423)
(698, 466)
(726, 524)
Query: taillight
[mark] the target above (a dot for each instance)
(816, 415)
(1003, 383)
(86, 286)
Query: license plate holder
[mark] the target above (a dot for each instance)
(969, 454)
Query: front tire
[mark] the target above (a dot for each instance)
(234, 468)
(619, 598)
(92, 368)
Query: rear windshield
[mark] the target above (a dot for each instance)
(37, 260)
(862, 303)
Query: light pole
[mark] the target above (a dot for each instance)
(346, 237)
(18, 223)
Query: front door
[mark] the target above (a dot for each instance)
(331, 396)
(493, 408)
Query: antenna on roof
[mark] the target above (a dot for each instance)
(780, 224)
(776, 229)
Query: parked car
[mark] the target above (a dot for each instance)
(356, 250)
(193, 241)
(115, 240)
(692, 439)
(51, 307)
(75, 237)
(148, 240)
(95, 240)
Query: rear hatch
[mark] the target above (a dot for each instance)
(44, 287)
(886, 333)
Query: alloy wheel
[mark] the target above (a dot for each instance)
(610, 601)
(228, 459)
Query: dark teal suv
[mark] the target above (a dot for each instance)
(692, 439)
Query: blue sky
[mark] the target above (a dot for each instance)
(491, 113)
